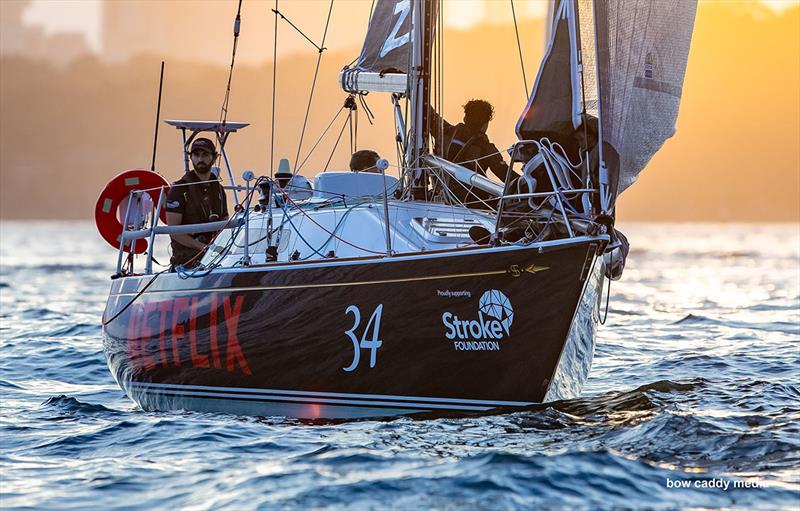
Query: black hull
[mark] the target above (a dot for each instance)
(361, 338)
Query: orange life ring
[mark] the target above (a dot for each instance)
(106, 211)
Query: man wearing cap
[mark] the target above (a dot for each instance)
(196, 198)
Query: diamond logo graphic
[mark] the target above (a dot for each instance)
(497, 305)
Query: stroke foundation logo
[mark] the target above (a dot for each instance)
(495, 315)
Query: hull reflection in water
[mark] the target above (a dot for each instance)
(466, 330)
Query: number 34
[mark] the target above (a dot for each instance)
(371, 345)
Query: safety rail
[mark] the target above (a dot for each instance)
(129, 236)
(471, 178)
(134, 228)
(558, 192)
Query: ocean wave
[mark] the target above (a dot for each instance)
(788, 327)
(686, 388)
(68, 404)
(53, 267)
(42, 313)
(595, 479)
(9, 385)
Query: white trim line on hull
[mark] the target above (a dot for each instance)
(325, 397)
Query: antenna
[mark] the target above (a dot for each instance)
(158, 116)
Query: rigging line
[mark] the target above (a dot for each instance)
(355, 141)
(355, 131)
(319, 48)
(519, 48)
(223, 114)
(310, 152)
(335, 145)
(368, 113)
(313, 86)
(119, 313)
(584, 118)
(468, 189)
(329, 232)
(274, 82)
(350, 122)
(440, 80)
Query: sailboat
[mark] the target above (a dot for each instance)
(365, 294)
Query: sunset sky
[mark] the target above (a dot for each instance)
(85, 16)
(735, 157)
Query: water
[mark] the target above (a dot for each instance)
(695, 383)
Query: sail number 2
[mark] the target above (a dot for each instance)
(374, 324)
(393, 40)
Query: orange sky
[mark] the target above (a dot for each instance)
(735, 157)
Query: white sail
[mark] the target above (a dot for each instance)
(643, 47)
(624, 62)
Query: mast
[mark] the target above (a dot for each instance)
(424, 14)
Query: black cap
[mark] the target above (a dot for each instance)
(204, 144)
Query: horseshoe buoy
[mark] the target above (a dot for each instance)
(109, 212)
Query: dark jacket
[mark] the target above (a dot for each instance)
(472, 149)
(199, 202)
(468, 147)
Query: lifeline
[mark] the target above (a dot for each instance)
(476, 345)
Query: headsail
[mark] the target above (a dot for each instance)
(631, 54)
(384, 61)
(552, 104)
(643, 50)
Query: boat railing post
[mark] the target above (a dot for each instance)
(382, 166)
(506, 184)
(138, 207)
(559, 201)
(221, 140)
(122, 234)
(148, 268)
(247, 176)
(185, 152)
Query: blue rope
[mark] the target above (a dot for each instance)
(316, 251)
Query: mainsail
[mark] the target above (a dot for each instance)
(385, 58)
(631, 54)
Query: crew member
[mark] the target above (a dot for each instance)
(467, 144)
(365, 161)
(196, 198)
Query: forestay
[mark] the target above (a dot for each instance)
(384, 61)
